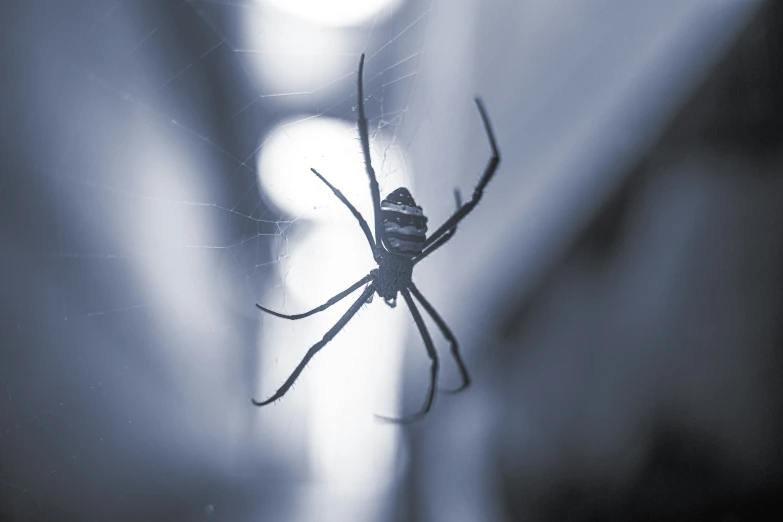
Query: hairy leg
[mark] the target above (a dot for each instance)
(317, 346)
(356, 213)
(324, 306)
(446, 331)
(428, 344)
(442, 240)
(489, 171)
(364, 138)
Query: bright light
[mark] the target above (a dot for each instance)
(292, 59)
(335, 13)
(357, 373)
(330, 146)
(295, 49)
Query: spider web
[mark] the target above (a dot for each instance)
(142, 237)
(138, 230)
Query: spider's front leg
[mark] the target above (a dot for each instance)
(364, 138)
(362, 223)
(478, 192)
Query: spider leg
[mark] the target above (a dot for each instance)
(489, 171)
(442, 240)
(356, 213)
(445, 237)
(317, 346)
(444, 328)
(425, 335)
(324, 306)
(364, 138)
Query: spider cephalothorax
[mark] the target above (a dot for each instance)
(399, 243)
(394, 273)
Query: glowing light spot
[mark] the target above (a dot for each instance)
(342, 13)
(359, 370)
(296, 50)
(330, 146)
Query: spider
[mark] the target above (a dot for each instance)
(399, 243)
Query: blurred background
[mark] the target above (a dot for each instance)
(617, 293)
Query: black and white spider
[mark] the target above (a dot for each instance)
(400, 242)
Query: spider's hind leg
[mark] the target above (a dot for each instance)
(328, 336)
(447, 333)
(434, 364)
(327, 304)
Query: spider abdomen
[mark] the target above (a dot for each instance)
(404, 222)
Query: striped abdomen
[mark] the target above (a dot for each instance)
(404, 222)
